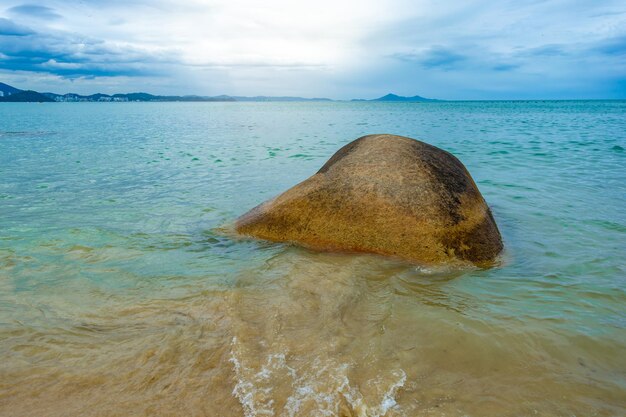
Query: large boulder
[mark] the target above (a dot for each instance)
(384, 194)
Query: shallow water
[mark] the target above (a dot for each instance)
(119, 296)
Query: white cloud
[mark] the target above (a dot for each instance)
(325, 48)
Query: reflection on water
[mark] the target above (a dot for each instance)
(119, 298)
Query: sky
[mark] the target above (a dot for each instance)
(471, 49)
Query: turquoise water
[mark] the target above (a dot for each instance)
(118, 293)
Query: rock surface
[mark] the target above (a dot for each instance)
(384, 194)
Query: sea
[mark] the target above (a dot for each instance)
(121, 294)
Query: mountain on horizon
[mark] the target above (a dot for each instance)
(27, 96)
(99, 97)
(395, 97)
(7, 91)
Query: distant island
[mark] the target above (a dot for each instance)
(399, 99)
(11, 94)
(393, 97)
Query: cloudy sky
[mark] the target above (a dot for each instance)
(471, 49)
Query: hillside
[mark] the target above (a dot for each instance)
(9, 93)
(7, 90)
(26, 96)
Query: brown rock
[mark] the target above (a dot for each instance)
(384, 194)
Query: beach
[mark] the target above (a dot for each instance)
(121, 295)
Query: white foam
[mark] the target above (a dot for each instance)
(389, 397)
(245, 389)
(318, 389)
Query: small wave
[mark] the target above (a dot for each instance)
(320, 388)
(25, 133)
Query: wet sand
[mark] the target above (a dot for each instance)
(307, 334)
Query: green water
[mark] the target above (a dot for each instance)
(119, 297)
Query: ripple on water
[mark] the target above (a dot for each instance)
(120, 294)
